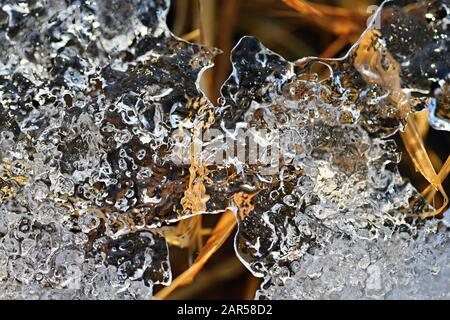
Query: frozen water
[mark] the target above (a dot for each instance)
(99, 102)
(336, 219)
(416, 34)
(399, 267)
(89, 94)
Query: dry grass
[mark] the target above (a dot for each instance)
(219, 235)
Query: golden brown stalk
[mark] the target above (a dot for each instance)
(181, 14)
(303, 7)
(430, 191)
(340, 12)
(339, 21)
(335, 47)
(219, 235)
(193, 35)
(421, 120)
(414, 145)
(252, 285)
(227, 270)
(188, 233)
(323, 10)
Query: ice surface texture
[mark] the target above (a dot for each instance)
(337, 220)
(416, 33)
(99, 102)
(89, 94)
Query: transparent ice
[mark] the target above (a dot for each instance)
(337, 220)
(89, 93)
(92, 97)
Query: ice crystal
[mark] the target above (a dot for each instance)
(89, 94)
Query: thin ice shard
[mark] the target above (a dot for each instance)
(326, 182)
(90, 94)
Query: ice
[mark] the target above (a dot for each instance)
(90, 92)
(439, 116)
(400, 267)
(333, 218)
(416, 34)
(105, 137)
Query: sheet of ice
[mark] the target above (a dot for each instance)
(99, 102)
(333, 218)
(90, 92)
